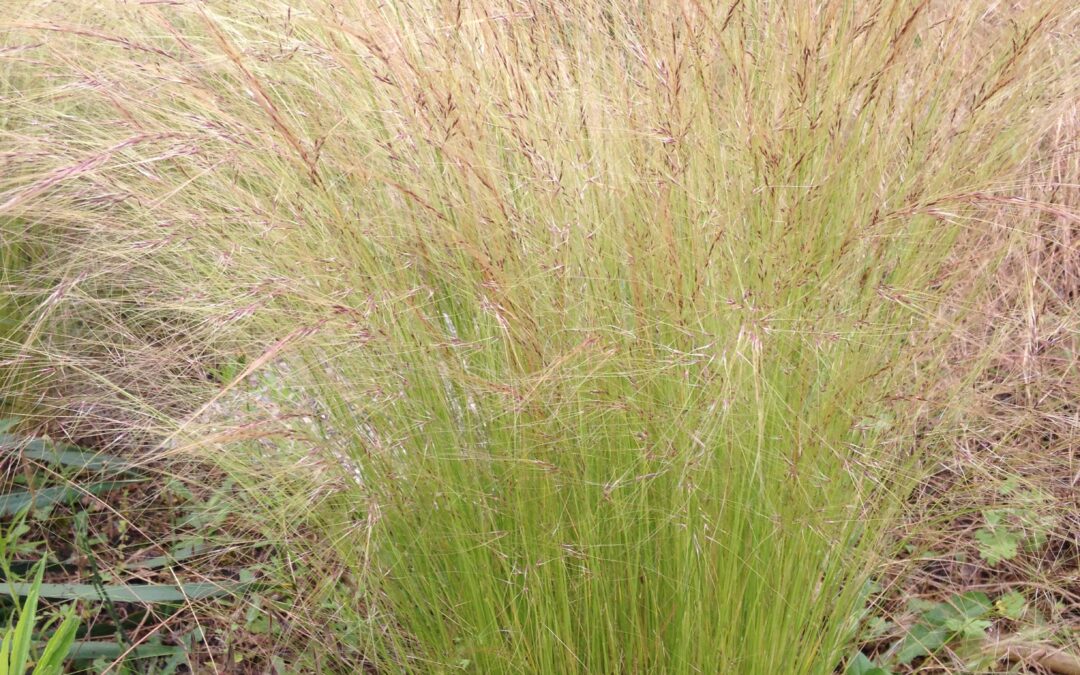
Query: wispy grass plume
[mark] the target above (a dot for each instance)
(600, 310)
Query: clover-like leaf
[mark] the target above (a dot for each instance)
(973, 604)
(921, 640)
(1011, 605)
(968, 628)
(997, 544)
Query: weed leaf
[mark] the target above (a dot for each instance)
(921, 640)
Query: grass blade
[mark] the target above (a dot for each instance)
(5, 652)
(13, 503)
(63, 455)
(88, 650)
(24, 629)
(149, 593)
(178, 554)
(59, 646)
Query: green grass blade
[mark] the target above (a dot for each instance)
(88, 650)
(63, 455)
(5, 652)
(13, 503)
(178, 554)
(59, 646)
(24, 629)
(149, 593)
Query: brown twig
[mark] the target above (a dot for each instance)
(1053, 659)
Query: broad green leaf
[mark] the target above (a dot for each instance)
(861, 665)
(972, 605)
(1011, 605)
(920, 606)
(993, 517)
(997, 544)
(920, 641)
(876, 627)
(1036, 540)
(938, 613)
(971, 629)
(961, 615)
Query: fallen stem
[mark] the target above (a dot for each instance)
(1053, 659)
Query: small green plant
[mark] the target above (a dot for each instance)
(962, 617)
(15, 652)
(56, 478)
(1020, 524)
(962, 623)
(996, 541)
(862, 665)
(1012, 605)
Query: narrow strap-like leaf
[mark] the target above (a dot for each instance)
(24, 629)
(88, 650)
(148, 593)
(64, 455)
(14, 502)
(178, 554)
(56, 650)
(5, 652)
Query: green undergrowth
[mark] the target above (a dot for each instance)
(154, 577)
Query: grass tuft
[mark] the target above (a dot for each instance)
(590, 338)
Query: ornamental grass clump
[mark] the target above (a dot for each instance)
(598, 326)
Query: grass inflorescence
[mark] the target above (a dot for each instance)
(598, 331)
